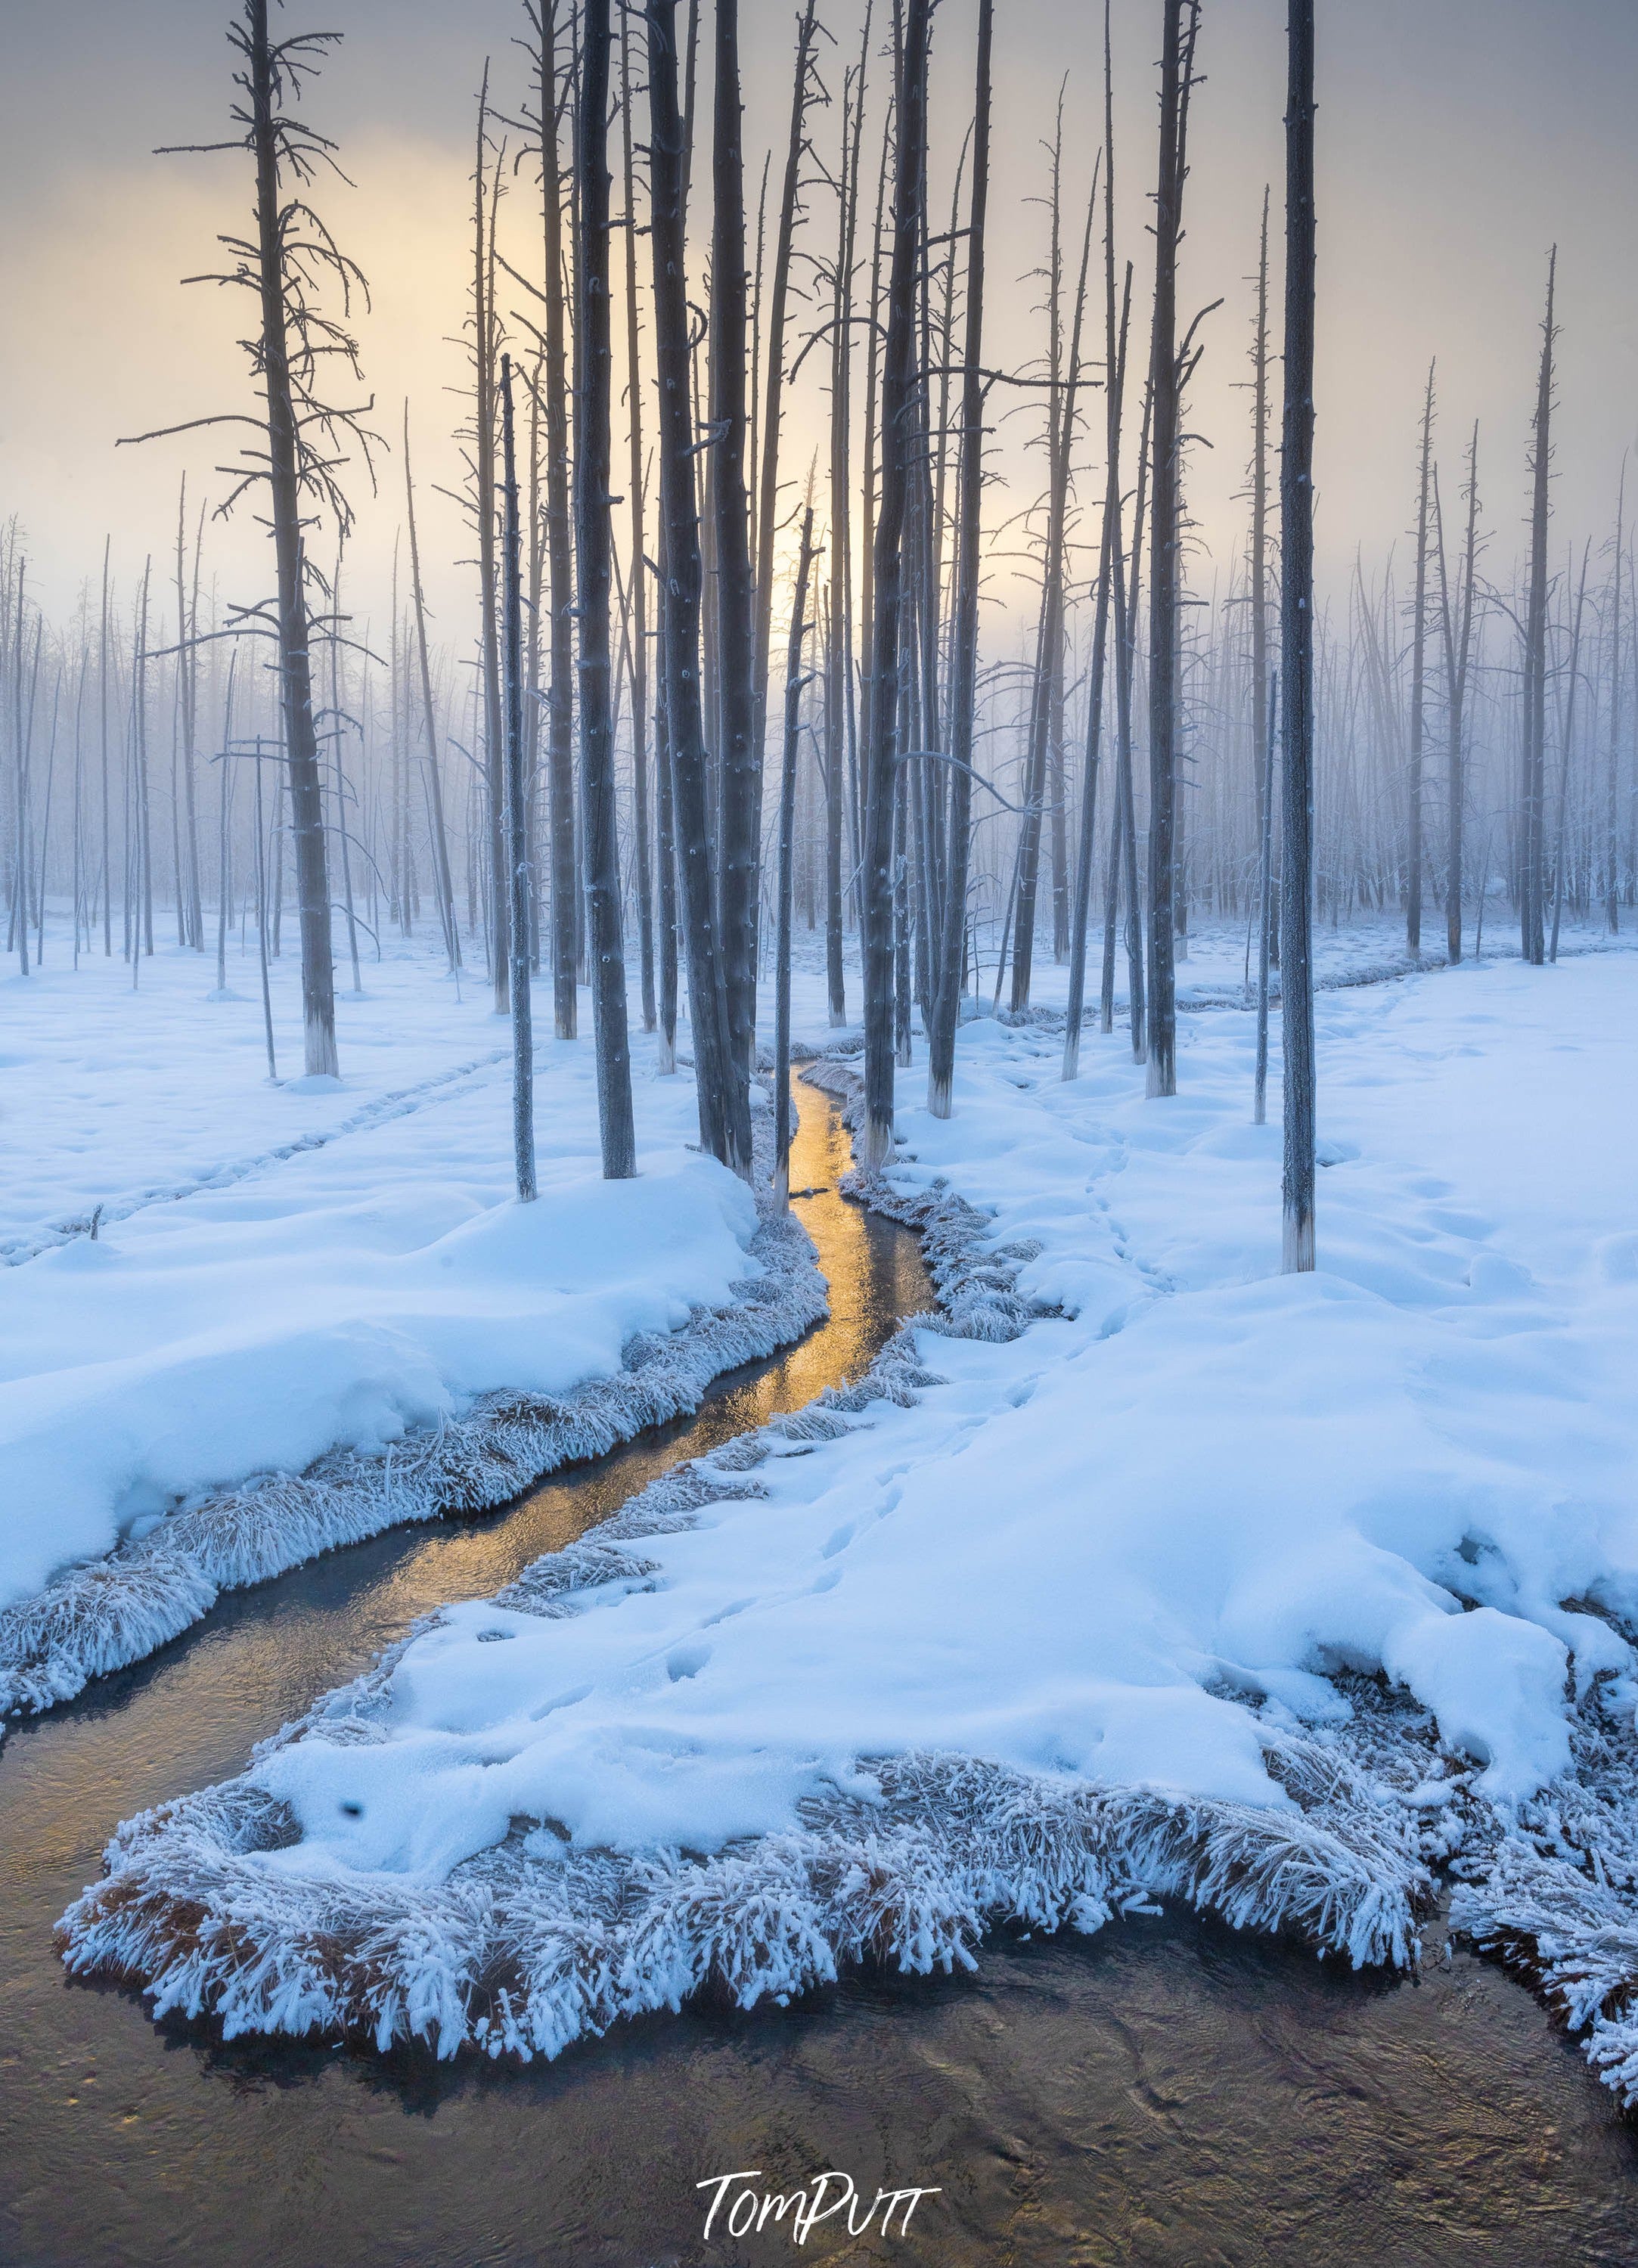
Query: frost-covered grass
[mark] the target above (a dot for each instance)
(1271, 1592)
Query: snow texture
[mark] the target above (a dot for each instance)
(351, 1329)
(1140, 1571)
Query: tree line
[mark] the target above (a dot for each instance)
(605, 788)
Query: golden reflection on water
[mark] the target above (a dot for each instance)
(875, 1277)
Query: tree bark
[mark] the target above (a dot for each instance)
(517, 806)
(318, 976)
(680, 621)
(898, 355)
(969, 568)
(795, 682)
(741, 754)
(593, 556)
(1296, 630)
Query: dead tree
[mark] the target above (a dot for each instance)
(1457, 633)
(593, 548)
(1262, 680)
(969, 569)
(741, 755)
(1566, 741)
(642, 857)
(1046, 694)
(286, 262)
(898, 440)
(795, 682)
(773, 402)
(1532, 786)
(518, 876)
(485, 353)
(559, 539)
(1296, 639)
(840, 720)
(680, 618)
(1266, 911)
(445, 880)
(1419, 682)
(1181, 23)
(1611, 853)
(1115, 381)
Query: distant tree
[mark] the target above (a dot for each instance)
(289, 262)
(1296, 638)
(1532, 783)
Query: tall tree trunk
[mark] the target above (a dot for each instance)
(1262, 678)
(898, 380)
(969, 568)
(680, 619)
(1296, 633)
(1532, 803)
(1181, 19)
(741, 755)
(318, 976)
(641, 855)
(1612, 856)
(594, 545)
(795, 682)
(773, 390)
(517, 878)
(429, 725)
(1419, 680)
(485, 342)
(559, 556)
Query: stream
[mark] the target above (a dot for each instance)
(1166, 2094)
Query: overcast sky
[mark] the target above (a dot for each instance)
(1458, 139)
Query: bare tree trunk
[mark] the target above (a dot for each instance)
(485, 340)
(1262, 675)
(1268, 706)
(680, 618)
(429, 724)
(1296, 631)
(1612, 801)
(1182, 20)
(1418, 678)
(1533, 809)
(342, 822)
(795, 682)
(642, 856)
(767, 512)
(898, 441)
(225, 839)
(741, 754)
(559, 556)
(1458, 651)
(517, 804)
(1045, 704)
(1567, 740)
(969, 568)
(594, 548)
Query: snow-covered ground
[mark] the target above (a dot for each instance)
(1062, 1618)
(279, 1274)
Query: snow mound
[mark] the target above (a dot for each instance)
(1141, 1570)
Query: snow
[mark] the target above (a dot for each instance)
(1207, 1474)
(279, 1274)
(1136, 1555)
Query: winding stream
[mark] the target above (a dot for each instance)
(1165, 2094)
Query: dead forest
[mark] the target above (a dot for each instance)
(723, 698)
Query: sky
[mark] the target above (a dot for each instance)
(1458, 139)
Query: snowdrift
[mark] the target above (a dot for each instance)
(227, 1385)
(1279, 1595)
